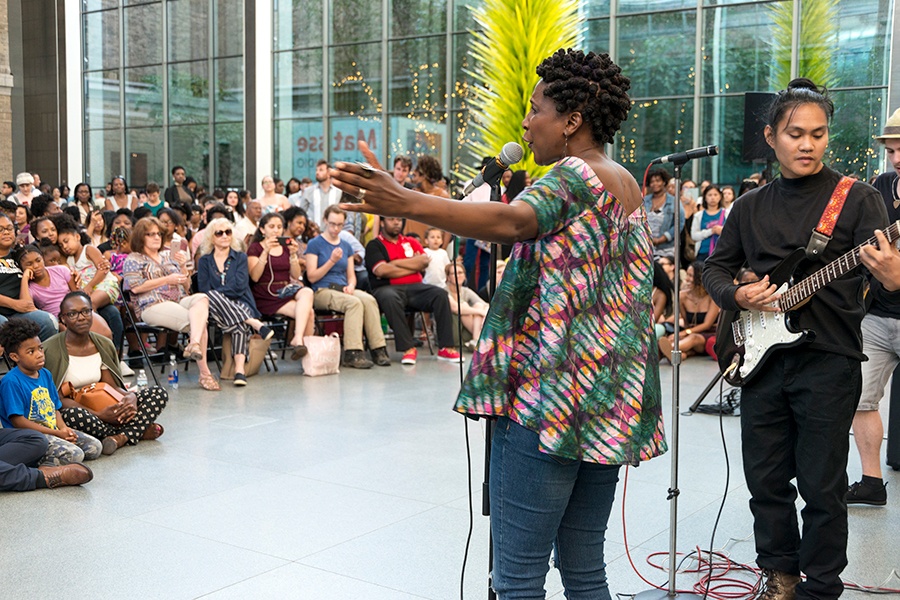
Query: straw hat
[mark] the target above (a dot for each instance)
(891, 128)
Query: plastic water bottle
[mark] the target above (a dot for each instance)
(141, 379)
(173, 372)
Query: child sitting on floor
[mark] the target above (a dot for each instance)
(28, 398)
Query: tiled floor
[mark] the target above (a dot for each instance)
(353, 487)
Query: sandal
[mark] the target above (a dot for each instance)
(154, 431)
(208, 382)
(193, 351)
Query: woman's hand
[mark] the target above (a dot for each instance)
(336, 255)
(176, 279)
(28, 275)
(716, 229)
(270, 243)
(376, 189)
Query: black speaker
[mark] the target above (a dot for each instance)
(756, 105)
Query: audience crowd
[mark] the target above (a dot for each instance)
(75, 268)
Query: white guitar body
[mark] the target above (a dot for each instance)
(759, 332)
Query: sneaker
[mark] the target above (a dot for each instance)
(266, 332)
(779, 586)
(356, 360)
(240, 380)
(409, 357)
(380, 357)
(125, 369)
(863, 492)
(449, 354)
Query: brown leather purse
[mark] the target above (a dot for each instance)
(96, 396)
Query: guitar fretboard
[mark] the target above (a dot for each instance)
(799, 292)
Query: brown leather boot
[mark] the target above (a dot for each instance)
(74, 474)
(779, 586)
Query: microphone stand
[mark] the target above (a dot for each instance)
(489, 421)
(672, 592)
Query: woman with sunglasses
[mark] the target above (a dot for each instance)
(159, 285)
(81, 357)
(222, 275)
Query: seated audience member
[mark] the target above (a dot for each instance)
(94, 227)
(275, 280)
(359, 260)
(296, 220)
(21, 450)
(271, 200)
(246, 228)
(124, 219)
(707, 224)
(28, 398)
(9, 207)
(395, 264)
(439, 260)
(12, 304)
(22, 220)
(662, 298)
(329, 268)
(154, 202)
(216, 210)
(223, 275)
(159, 285)
(81, 357)
(48, 284)
(44, 206)
(93, 269)
(45, 228)
(698, 313)
(84, 201)
(483, 290)
(169, 223)
(232, 201)
(471, 309)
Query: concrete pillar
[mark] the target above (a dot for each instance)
(6, 85)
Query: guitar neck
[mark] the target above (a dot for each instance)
(799, 292)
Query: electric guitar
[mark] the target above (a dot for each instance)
(746, 338)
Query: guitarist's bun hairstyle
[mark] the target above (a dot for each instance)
(799, 91)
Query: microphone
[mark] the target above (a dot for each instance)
(679, 158)
(491, 173)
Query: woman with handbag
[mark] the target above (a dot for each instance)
(159, 285)
(78, 358)
(275, 273)
(222, 275)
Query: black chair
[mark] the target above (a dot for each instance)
(140, 328)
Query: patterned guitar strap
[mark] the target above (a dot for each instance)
(821, 235)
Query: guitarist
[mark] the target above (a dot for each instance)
(796, 412)
(881, 332)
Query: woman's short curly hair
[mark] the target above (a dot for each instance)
(429, 167)
(591, 84)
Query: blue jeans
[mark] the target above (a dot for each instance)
(542, 504)
(47, 323)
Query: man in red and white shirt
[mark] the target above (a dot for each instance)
(395, 264)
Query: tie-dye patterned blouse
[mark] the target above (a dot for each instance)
(568, 348)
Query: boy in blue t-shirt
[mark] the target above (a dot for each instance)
(28, 398)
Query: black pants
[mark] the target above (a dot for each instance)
(395, 300)
(795, 423)
(150, 402)
(20, 452)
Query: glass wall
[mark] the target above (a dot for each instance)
(378, 76)
(163, 80)
(692, 94)
(164, 85)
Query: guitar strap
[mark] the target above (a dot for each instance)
(821, 235)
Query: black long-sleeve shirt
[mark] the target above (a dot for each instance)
(769, 223)
(885, 303)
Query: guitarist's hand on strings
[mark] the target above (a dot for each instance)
(883, 262)
(759, 296)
